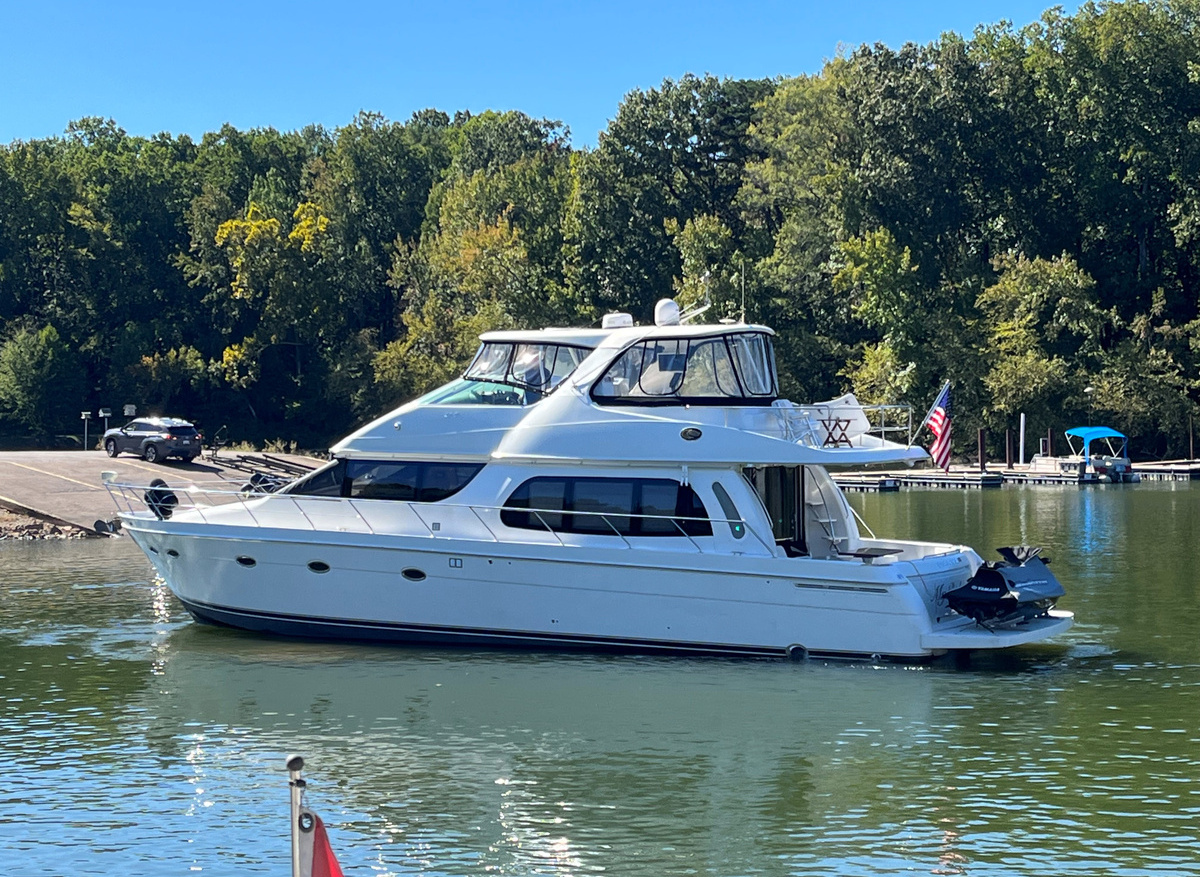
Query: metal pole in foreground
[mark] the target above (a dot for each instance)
(295, 764)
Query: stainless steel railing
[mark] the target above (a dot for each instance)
(212, 506)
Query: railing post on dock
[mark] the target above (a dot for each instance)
(1008, 448)
(982, 449)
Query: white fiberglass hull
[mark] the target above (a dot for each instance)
(422, 589)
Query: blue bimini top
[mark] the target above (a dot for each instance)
(1090, 433)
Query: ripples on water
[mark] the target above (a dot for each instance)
(135, 741)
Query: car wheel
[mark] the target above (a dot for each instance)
(152, 454)
(110, 447)
(187, 458)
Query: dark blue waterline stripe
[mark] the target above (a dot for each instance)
(375, 631)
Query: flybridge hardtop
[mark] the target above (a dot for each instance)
(687, 394)
(637, 488)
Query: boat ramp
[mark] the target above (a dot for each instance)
(64, 487)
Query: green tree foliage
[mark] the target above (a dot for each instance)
(1017, 210)
(40, 381)
(670, 155)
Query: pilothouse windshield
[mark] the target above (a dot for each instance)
(530, 366)
(728, 369)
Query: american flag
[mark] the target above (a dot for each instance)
(939, 425)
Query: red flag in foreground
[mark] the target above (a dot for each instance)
(939, 425)
(316, 855)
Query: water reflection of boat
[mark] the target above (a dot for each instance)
(462, 759)
(242, 681)
(416, 715)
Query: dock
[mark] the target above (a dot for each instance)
(1169, 470)
(64, 487)
(998, 475)
(867, 482)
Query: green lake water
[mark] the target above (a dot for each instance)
(134, 741)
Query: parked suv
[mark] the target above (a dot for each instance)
(155, 439)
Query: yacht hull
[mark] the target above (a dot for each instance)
(436, 590)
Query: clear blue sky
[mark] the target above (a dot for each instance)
(190, 67)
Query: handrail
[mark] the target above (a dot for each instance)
(859, 518)
(131, 498)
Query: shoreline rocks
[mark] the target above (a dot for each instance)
(16, 527)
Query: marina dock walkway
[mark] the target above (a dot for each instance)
(998, 475)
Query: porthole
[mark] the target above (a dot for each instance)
(246, 561)
(318, 566)
(171, 552)
(413, 575)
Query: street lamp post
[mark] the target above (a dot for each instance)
(1090, 391)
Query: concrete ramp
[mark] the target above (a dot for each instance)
(64, 487)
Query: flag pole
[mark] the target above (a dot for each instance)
(933, 407)
(295, 764)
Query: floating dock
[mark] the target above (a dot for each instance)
(867, 482)
(996, 476)
(1169, 470)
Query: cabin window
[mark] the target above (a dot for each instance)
(370, 480)
(407, 481)
(736, 369)
(326, 481)
(612, 498)
(628, 506)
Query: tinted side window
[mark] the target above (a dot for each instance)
(612, 497)
(383, 480)
(388, 479)
(323, 482)
(545, 494)
(440, 480)
(660, 498)
(629, 506)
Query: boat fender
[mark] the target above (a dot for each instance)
(160, 500)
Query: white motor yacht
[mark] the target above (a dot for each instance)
(637, 488)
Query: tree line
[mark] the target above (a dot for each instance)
(1018, 212)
